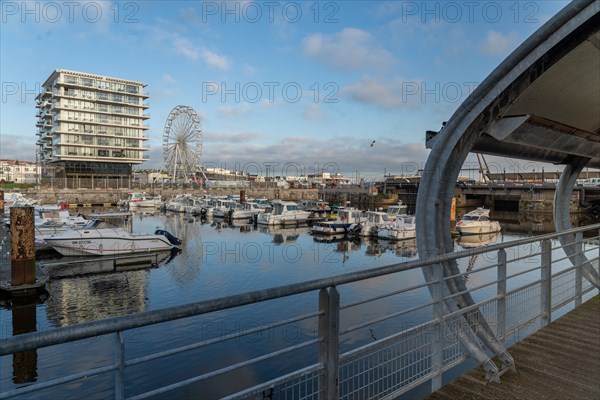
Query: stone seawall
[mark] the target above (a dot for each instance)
(103, 197)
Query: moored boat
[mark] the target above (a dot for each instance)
(345, 219)
(394, 211)
(247, 210)
(101, 238)
(284, 213)
(143, 200)
(370, 225)
(477, 222)
(403, 228)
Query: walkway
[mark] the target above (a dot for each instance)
(561, 361)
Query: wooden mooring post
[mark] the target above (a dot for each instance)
(23, 281)
(1, 202)
(22, 241)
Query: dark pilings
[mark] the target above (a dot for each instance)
(242, 196)
(22, 258)
(1, 202)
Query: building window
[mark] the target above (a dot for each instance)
(71, 79)
(70, 92)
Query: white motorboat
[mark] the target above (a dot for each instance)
(284, 213)
(143, 200)
(100, 238)
(247, 210)
(370, 226)
(179, 203)
(403, 228)
(477, 222)
(210, 205)
(53, 222)
(394, 211)
(320, 209)
(222, 207)
(52, 219)
(345, 219)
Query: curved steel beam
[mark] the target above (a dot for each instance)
(562, 219)
(454, 142)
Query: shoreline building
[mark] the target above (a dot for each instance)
(91, 129)
(16, 171)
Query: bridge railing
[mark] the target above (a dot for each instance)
(375, 346)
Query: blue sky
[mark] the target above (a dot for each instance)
(296, 85)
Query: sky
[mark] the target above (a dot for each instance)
(290, 86)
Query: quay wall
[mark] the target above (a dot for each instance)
(110, 197)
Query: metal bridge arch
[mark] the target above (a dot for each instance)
(497, 119)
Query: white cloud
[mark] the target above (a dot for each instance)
(497, 44)
(370, 91)
(351, 48)
(313, 112)
(215, 60)
(13, 147)
(185, 47)
(231, 137)
(350, 153)
(231, 112)
(388, 96)
(168, 78)
(166, 35)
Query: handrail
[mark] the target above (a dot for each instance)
(36, 340)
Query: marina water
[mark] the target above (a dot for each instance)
(220, 259)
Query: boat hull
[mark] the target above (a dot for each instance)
(273, 220)
(325, 228)
(478, 229)
(396, 234)
(106, 242)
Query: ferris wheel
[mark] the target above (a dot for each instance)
(182, 144)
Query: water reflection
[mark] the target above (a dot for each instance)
(373, 247)
(528, 223)
(220, 259)
(281, 235)
(474, 241)
(24, 320)
(99, 288)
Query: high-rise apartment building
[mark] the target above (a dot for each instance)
(90, 126)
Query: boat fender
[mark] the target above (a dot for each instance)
(172, 239)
